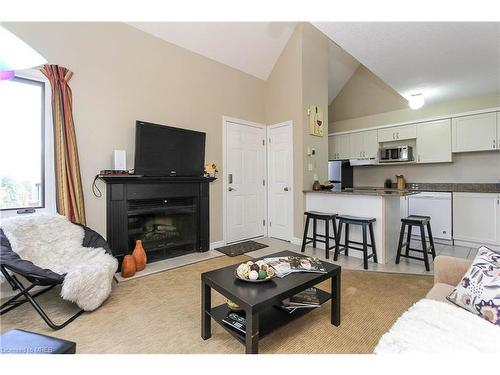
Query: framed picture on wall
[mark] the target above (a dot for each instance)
(316, 122)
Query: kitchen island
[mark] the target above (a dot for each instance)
(382, 204)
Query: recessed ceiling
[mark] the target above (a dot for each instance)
(341, 67)
(252, 47)
(443, 60)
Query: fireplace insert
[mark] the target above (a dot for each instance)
(167, 227)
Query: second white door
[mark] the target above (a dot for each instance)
(245, 181)
(280, 181)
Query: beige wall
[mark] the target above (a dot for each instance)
(300, 78)
(314, 91)
(478, 167)
(122, 75)
(407, 114)
(365, 94)
(283, 102)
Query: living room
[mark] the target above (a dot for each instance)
(272, 187)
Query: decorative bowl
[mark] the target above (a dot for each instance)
(257, 272)
(253, 281)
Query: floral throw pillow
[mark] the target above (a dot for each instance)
(479, 290)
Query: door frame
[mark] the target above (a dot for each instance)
(225, 121)
(289, 125)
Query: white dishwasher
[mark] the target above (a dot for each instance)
(437, 205)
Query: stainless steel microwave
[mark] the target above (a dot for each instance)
(395, 154)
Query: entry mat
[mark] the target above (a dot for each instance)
(241, 248)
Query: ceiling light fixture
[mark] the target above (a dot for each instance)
(416, 101)
(16, 55)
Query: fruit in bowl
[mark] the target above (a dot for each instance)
(255, 271)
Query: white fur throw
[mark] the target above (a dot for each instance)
(433, 327)
(55, 243)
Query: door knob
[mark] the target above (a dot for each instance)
(231, 189)
(285, 188)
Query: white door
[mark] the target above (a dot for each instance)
(244, 177)
(434, 141)
(280, 181)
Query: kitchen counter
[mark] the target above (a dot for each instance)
(381, 204)
(454, 187)
(380, 192)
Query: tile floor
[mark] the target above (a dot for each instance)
(409, 266)
(405, 265)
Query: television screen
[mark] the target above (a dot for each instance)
(166, 151)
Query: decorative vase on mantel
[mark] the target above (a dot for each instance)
(139, 255)
(128, 266)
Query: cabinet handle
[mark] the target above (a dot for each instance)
(393, 135)
(397, 135)
(494, 144)
(498, 199)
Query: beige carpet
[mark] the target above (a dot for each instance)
(161, 314)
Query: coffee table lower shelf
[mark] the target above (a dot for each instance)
(269, 319)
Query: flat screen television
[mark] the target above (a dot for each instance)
(167, 151)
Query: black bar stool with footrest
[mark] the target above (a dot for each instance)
(421, 222)
(366, 223)
(326, 217)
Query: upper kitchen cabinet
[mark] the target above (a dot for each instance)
(364, 144)
(474, 133)
(498, 130)
(434, 142)
(398, 133)
(339, 147)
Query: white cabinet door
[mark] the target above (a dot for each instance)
(434, 141)
(397, 133)
(339, 147)
(344, 146)
(476, 217)
(498, 131)
(474, 133)
(356, 145)
(370, 144)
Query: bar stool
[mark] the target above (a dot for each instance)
(421, 222)
(366, 223)
(326, 217)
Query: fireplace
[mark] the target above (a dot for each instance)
(167, 227)
(168, 214)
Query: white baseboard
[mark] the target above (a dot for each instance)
(296, 241)
(476, 245)
(216, 244)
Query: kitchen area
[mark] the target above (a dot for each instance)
(446, 168)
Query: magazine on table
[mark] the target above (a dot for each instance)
(308, 299)
(291, 264)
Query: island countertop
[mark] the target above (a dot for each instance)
(380, 192)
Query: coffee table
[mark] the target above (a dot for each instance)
(259, 300)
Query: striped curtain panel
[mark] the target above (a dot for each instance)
(69, 193)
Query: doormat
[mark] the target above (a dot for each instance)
(241, 248)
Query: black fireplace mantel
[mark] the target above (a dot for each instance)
(122, 190)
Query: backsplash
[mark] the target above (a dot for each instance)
(474, 167)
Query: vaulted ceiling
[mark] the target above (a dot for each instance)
(442, 60)
(252, 47)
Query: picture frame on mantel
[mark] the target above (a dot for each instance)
(316, 120)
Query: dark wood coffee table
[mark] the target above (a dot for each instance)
(259, 300)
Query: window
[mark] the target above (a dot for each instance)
(26, 153)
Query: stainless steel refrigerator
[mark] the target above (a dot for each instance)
(340, 174)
